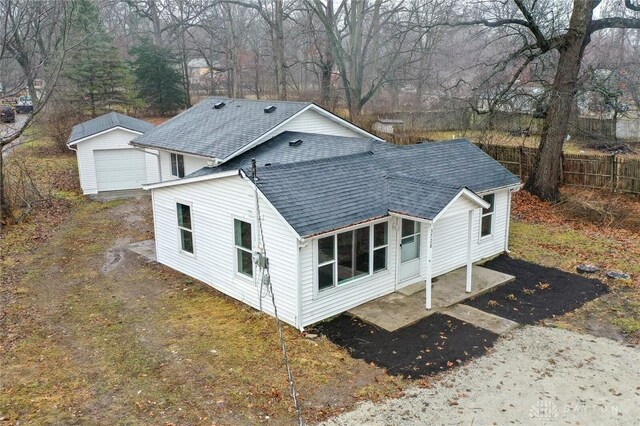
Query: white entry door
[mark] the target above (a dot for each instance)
(119, 169)
(409, 250)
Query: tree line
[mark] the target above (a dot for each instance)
(376, 55)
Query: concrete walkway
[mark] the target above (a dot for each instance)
(146, 249)
(481, 319)
(119, 195)
(407, 306)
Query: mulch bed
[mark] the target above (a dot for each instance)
(537, 293)
(432, 345)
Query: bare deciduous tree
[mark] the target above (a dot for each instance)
(543, 29)
(34, 35)
(367, 41)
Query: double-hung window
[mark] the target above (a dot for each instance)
(487, 216)
(243, 243)
(352, 254)
(177, 165)
(380, 244)
(185, 227)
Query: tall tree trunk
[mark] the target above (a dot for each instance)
(256, 75)
(544, 181)
(278, 50)
(325, 83)
(185, 73)
(155, 22)
(327, 62)
(4, 207)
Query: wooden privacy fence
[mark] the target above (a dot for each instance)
(599, 171)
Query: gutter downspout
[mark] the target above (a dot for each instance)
(506, 231)
(157, 154)
(299, 246)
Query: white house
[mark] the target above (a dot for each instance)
(340, 216)
(106, 160)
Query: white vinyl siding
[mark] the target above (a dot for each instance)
(191, 164)
(314, 122)
(115, 139)
(215, 204)
(450, 234)
(496, 242)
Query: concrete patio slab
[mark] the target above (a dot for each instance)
(119, 195)
(146, 249)
(397, 310)
(480, 318)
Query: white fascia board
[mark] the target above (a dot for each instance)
(102, 133)
(410, 217)
(171, 151)
(514, 187)
(185, 181)
(467, 193)
(344, 122)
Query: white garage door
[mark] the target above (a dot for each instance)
(119, 169)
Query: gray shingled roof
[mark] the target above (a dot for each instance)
(105, 122)
(218, 133)
(419, 180)
(278, 151)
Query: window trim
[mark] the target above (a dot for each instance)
(490, 214)
(236, 247)
(374, 248)
(179, 158)
(336, 286)
(181, 228)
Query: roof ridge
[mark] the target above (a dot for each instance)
(230, 99)
(429, 179)
(279, 166)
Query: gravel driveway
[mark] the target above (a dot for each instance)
(536, 375)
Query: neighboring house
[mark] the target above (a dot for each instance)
(628, 127)
(342, 216)
(106, 161)
(387, 125)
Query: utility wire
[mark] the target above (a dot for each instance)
(266, 281)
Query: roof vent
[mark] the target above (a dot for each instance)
(295, 143)
(219, 105)
(269, 109)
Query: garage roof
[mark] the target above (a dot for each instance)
(106, 122)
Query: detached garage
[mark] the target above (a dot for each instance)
(106, 161)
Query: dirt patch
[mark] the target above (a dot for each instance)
(537, 293)
(430, 346)
(118, 340)
(535, 376)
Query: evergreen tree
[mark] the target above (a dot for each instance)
(97, 78)
(158, 77)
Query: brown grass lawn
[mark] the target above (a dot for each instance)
(92, 334)
(586, 227)
(576, 145)
(89, 333)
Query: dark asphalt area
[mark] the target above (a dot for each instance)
(439, 342)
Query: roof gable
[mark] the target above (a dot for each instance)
(232, 129)
(219, 132)
(106, 122)
(420, 181)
